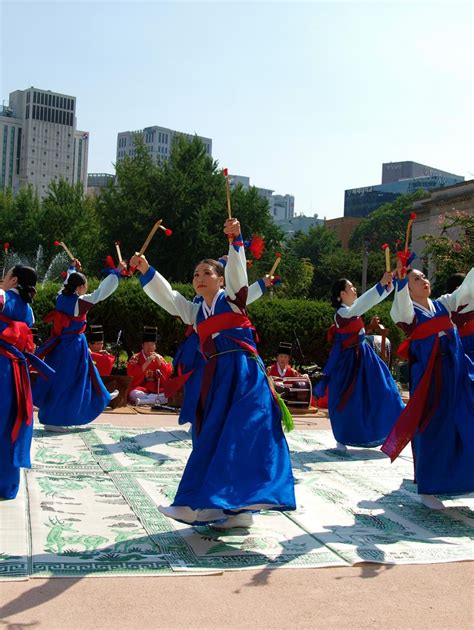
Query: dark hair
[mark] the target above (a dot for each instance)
(27, 278)
(74, 280)
(216, 265)
(337, 287)
(454, 281)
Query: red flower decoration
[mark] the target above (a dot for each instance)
(385, 246)
(278, 254)
(257, 246)
(168, 232)
(63, 275)
(6, 246)
(57, 243)
(398, 241)
(225, 172)
(413, 216)
(109, 262)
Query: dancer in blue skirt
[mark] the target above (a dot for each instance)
(364, 401)
(439, 418)
(16, 406)
(240, 461)
(76, 394)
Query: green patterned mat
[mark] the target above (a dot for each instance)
(89, 507)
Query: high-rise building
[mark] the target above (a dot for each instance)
(39, 141)
(281, 207)
(359, 202)
(97, 182)
(396, 171)
(158, 141)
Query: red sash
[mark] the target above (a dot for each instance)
(218, 323)
(18, 334)
(467, 329)
(414, 417)
(205, 330)
(61, 320)
(354, 326)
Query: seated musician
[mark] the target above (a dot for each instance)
(282, 368)
(149, 372)
(376, 336)
(103, 360)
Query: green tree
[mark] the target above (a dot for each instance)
(453, 250)
(188, 193)
(386, 224)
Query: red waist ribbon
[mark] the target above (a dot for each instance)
(415, 415)
(18, 334)
(205, 330)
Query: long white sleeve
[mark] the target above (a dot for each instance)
(103, 291)
(402, 311)
(365, 302)
(160, 291)
(236, 268)
(255, 291)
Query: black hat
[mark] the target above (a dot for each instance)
(284, 348)
(150, 333)
(95, 333)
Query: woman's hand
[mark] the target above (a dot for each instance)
(386, 280)
(232, 227)
(139, 262)
(77, 264)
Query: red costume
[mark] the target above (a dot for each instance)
(103, 361)
(148, 381)
(274, 370)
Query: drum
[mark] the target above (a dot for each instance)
(295, 390)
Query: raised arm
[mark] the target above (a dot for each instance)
(236, 268)
(368, 299)
(402, 311)
(463, 295)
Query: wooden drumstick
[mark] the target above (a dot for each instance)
(275, 265)
(119, 253)
(66, 249)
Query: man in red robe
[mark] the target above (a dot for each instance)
(103, 360)
(282, 368)
(149, 372)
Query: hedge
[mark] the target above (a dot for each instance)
(129, 309)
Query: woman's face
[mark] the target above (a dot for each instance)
(349, 295)
(418, 285)
(81, 289)
(206, 281)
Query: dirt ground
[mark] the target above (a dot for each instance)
(364, 596)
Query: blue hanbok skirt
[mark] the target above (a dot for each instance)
(374, 405)
(444, 450)
(75, 395)
(13, 455)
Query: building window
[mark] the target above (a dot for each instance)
(31, 173)
(56, 165)
(44, 163)
(32, 150)
(32, 161)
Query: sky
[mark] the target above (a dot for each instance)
(305, 98)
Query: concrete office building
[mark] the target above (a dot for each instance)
(359, 202)
(396, 171)
(158, 141)
(39, 141)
